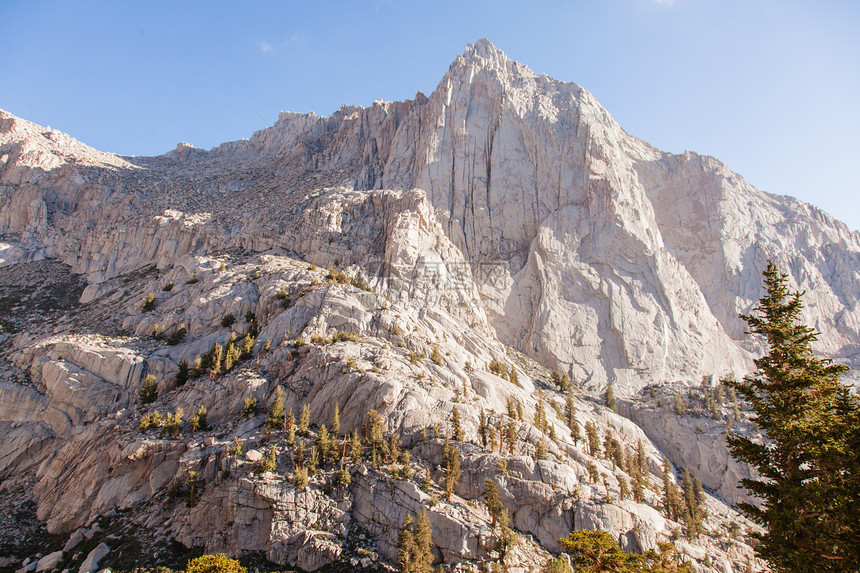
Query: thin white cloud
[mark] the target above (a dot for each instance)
(265, 46)
(665, 2)
(293, 40)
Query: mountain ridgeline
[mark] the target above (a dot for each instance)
(500, 252)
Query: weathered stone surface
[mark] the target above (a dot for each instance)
(91, 563)
(49, 561)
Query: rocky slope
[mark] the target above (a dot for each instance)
(401, 258)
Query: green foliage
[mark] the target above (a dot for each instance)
(228, 320)
(810, 489)
(300, 477)
(493, 499)
(598, 551)
(593, 438)
(570, 418)
(177, 335)
(193, 279)
(200, 419)
(304, 421)
(436, 356)
(269, 462)
(149, 390)
(679, 406)
(335, 421)
(250, 407)
(500, 369)
(457, 425)
(483, 428)
(219, 563)
(561, 380)
(342, 478)
(451, 456)
(151, 420)
(319, 339)
(556, 565)
(148, 302)
(345, 336)
(168, 286)
(610, 399)
(192, 487)
(540, 451)
(277, 418)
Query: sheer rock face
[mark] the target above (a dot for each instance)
(591, 251)
(506, 213)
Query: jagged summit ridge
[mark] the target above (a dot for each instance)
(581, 223)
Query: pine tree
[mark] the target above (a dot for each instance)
(356, 448)
(610, 399)
(452, 468)
(482, 428)
(406, 547)
(511, 435)
(507, 540)
(679, 407)
(641, 460)
(149, 390)
(335, 421)
(423, 544)
(540, 451)
(671, 497)
(304, 421)
(323, 445)
(540, 412)
(811, 488)
(276, 413)
(593, 438)
(493, 499)
(456, 425)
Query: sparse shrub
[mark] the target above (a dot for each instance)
(335, 276)
(319, 339)
(168, 287)
(500, 369)
(269, 462)
(345, 336)
(219, 563)
(561, 380)
(177, 335)
(151, 420)
(149, 390)
(436, 356)
(342, 478)
(300, 478)
(250, 407)
(182, 375)
(228, 320)
(200, 419)
(193, 279)
(148, 302)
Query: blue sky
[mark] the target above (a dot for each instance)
(770, 87)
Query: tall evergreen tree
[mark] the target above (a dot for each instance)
(457, 425)
(593, 438)
(406, 549)
(482, 428)
(610, 399)
(335, 421)
(423, 544)
(276, 413)
(809, 461)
